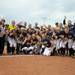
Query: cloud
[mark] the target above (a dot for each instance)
(68, 6)
(35, 10)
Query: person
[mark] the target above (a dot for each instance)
(11, 43)
(57, 29)
(62, 45)
(27, 48)
(48, 50)
(70, 43)
(19, 44)
(47, 43)
(53, 43)
(25, 24)
(36, 26)
(42, 49)
(12, 26)
(58, 45)
(64, 21)
(73, 47)
(2, 38)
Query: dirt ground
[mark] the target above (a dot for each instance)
(36, 65)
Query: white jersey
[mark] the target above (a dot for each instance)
(73, 46)
(58, 44)
(70, 43)
(63, 44)
(47, 51)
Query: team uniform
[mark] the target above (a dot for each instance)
(48, 51)
(11, 27)
(2, 40)
(12, 45)
(70, 43)
(62, 47)
(53, 43)
(73, 48)
(58, 46)
(19, 46)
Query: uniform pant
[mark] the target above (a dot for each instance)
(10, 50)
(73, 52)
(19, 47)
(62, 51)
(70, 51)
(54, 51)
(2, 40)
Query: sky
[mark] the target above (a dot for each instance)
(42, 11)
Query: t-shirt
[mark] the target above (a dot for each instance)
(11, 27)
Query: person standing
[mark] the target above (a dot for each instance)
(2, 38)
(12, 43)
(64, 21)
(73, 47)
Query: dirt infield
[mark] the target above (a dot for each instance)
(36, 65)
